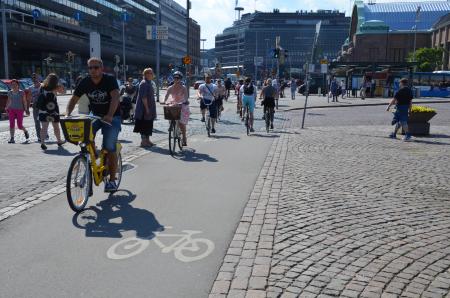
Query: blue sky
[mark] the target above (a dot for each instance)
(215, 15)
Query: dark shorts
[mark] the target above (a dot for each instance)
(269, 102)
(110, 132)
(212, 108)
(401, 115)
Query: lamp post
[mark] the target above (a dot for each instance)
(124, 20)
(238, 9)
(203, 51)
(5, 40)
(416, 20)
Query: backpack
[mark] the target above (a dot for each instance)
(248, 90)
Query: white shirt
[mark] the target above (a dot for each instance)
(207, 94)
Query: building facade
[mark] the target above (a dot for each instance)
(441, 38)
(388, 32)
(254, 35)
(65, 25)
(194, 46)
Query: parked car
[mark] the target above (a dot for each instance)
(198, 83)
(3, 96)
(23, 85)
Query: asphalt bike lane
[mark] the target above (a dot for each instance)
(164, 234)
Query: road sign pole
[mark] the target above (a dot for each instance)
(5, 42)
(123, 51)
(158, 55)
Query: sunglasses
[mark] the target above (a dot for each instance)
(178, 78)
(94, 67)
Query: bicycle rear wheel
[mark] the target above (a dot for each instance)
(247, 120)
(172, 138)
(78, 183)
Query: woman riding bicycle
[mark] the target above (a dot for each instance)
(248, 97)
(179, 95)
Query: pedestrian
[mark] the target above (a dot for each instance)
(228, 85)
(334, 90)
(221, 95)
(343, 89)
(145, 112)
(403, 104)
(277, 87)
(179, 95)
(16, 105)
(49, 109)
(293, 88)
(34, 92)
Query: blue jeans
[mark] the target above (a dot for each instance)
(110, 133)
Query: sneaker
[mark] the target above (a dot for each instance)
(27, 135)
(271, 126)
(203, 119)
(392, 136)
(406, 138)
(213, 130)
(43, 147)
(252, 130)
(11, 141)
(110, 186)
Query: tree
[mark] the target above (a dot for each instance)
(428, 59)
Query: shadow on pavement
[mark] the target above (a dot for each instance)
(61, 151)
(227, 122)
(260, 135)
(190, 155)
(111, 217)
(225, 137)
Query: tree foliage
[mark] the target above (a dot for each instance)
(428, 59)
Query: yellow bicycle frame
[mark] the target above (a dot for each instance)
(99, 168)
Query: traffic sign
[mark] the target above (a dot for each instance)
(116, 68)
(156, 32)
(187, 60)
(36, 13)
(77, 16)
(323, 61)
(125, 17)
(323, 68)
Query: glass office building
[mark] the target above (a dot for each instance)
(65, 25)
(255, 35)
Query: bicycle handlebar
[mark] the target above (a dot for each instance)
(93, 117)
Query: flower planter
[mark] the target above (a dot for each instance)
(418, 123)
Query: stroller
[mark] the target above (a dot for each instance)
(126, 108)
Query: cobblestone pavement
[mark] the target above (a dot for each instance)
(343, 211)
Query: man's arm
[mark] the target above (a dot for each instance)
(71, 105)
(393, 101)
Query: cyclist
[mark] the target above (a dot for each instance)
(179, 95)
(277, 87)
(207, 93)
(221, 95)
(102, 91)
(248, 97)
(268, 94)
(228, 85)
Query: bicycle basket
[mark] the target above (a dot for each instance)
(172, 112)
(77, 130)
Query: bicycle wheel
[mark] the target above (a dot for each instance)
(194, 250)
(78, 183)
(174, 138)
(171, 139)
(119, 169)
(247, 120)
(178, 134)
(208, 123)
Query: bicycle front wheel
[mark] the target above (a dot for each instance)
(78, 183)
(119, 169)
(172, 138)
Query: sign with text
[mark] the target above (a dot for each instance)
(156, 32)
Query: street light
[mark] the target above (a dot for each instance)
(124, 19)
(238, 9)
(416, 20)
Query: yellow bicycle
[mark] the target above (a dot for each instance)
(87, 166)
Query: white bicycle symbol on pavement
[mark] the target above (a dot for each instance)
(185, 249)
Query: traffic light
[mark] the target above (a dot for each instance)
(285, 53)
(276, 53)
